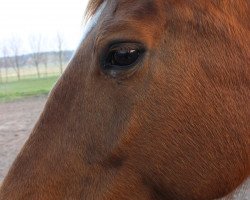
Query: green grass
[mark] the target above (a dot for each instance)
(27, 87)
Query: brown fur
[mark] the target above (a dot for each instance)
(177, 129)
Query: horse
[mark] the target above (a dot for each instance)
(154, 105)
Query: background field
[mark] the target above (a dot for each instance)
(30, 82)
(27, 87)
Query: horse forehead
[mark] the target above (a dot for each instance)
(128, 16)
(139, 9)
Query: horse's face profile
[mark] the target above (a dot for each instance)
(154, 105)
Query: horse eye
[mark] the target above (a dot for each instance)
(122, 57)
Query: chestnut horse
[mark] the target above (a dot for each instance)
(153, 105)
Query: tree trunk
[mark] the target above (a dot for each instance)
(46, 70)
(60, 62)
(37, 70)
(1, 78)
(6, 74)
(18, 74)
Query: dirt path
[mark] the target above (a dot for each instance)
(16, 122)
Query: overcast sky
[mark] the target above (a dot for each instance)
(23, 18)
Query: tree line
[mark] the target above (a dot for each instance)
(12, 56)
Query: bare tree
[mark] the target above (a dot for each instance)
(60, 44)
(16, 59)
(1, 66)
(45, 60)
(36, 55)
(5, 61)
(45, 55)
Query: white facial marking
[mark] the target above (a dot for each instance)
(92, 22)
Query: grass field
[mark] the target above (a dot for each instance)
(27, 87)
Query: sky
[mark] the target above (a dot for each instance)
(23, 19)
